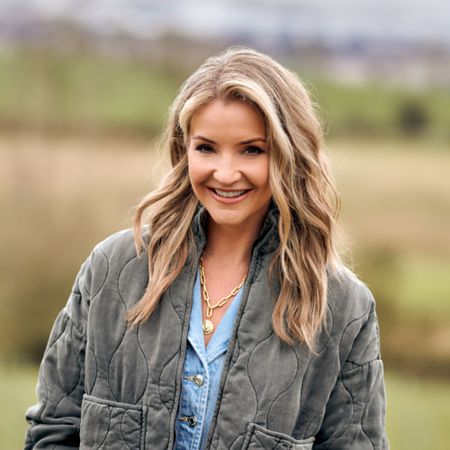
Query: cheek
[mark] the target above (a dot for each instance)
(192, 165)
(260, 173)
(263, 178)
(196, 170)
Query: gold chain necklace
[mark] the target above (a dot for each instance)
(207, 325)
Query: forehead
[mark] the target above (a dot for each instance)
(235, 117)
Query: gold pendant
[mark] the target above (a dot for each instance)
(208, 326)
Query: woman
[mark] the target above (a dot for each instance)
(228, 321)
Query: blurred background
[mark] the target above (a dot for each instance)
(84, 90)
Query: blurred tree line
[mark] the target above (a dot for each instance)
(58, 91)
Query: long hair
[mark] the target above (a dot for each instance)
(301, 188)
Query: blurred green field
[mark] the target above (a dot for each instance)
(377, 109)
(83, 91)
(17, 390)
(78, 155)
(91, 92)
(418, 413)
(417, 419)
(396, 204)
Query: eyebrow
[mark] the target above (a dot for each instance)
(248, 141)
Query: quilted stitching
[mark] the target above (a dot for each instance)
(261, 438)
(57, 392)
(109, 425)
(129, 375)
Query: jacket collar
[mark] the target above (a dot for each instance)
(266, 242)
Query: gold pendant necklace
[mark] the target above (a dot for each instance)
(207, 325)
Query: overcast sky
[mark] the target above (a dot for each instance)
(416, 20)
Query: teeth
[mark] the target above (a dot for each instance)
(228, 194)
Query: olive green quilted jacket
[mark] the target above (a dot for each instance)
(103, 385)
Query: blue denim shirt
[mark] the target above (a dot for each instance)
(201, 374)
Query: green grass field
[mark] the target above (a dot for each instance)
(417, 418)
(418, 414)
(17, 390)
(88, 92)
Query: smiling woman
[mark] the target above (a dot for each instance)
(226, 320)
(229, 173)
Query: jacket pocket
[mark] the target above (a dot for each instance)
(110, 425)
(260, 438)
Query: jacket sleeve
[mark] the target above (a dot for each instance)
(55, 419)
(355, 412)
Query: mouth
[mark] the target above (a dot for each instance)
(229, 194)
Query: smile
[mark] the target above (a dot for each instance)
(229, 197)
(229, 194)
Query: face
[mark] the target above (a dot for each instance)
(229, 163)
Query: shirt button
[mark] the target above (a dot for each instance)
(192, 421)
(198, 380)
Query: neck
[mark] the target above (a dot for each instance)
(232, 245)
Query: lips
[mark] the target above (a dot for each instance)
(229, 194)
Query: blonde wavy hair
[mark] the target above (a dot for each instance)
(300, 181)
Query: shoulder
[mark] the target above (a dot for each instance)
(354, 321)
(349, 299)
(119, 245)
(111, 256)
(106, 277)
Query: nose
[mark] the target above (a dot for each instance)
(227, 171)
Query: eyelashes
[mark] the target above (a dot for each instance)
(254, 150)
(250, 150)
(204, 148)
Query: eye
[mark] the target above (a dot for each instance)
(204, 148)
(253, 150)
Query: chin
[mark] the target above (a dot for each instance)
(227, 220)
